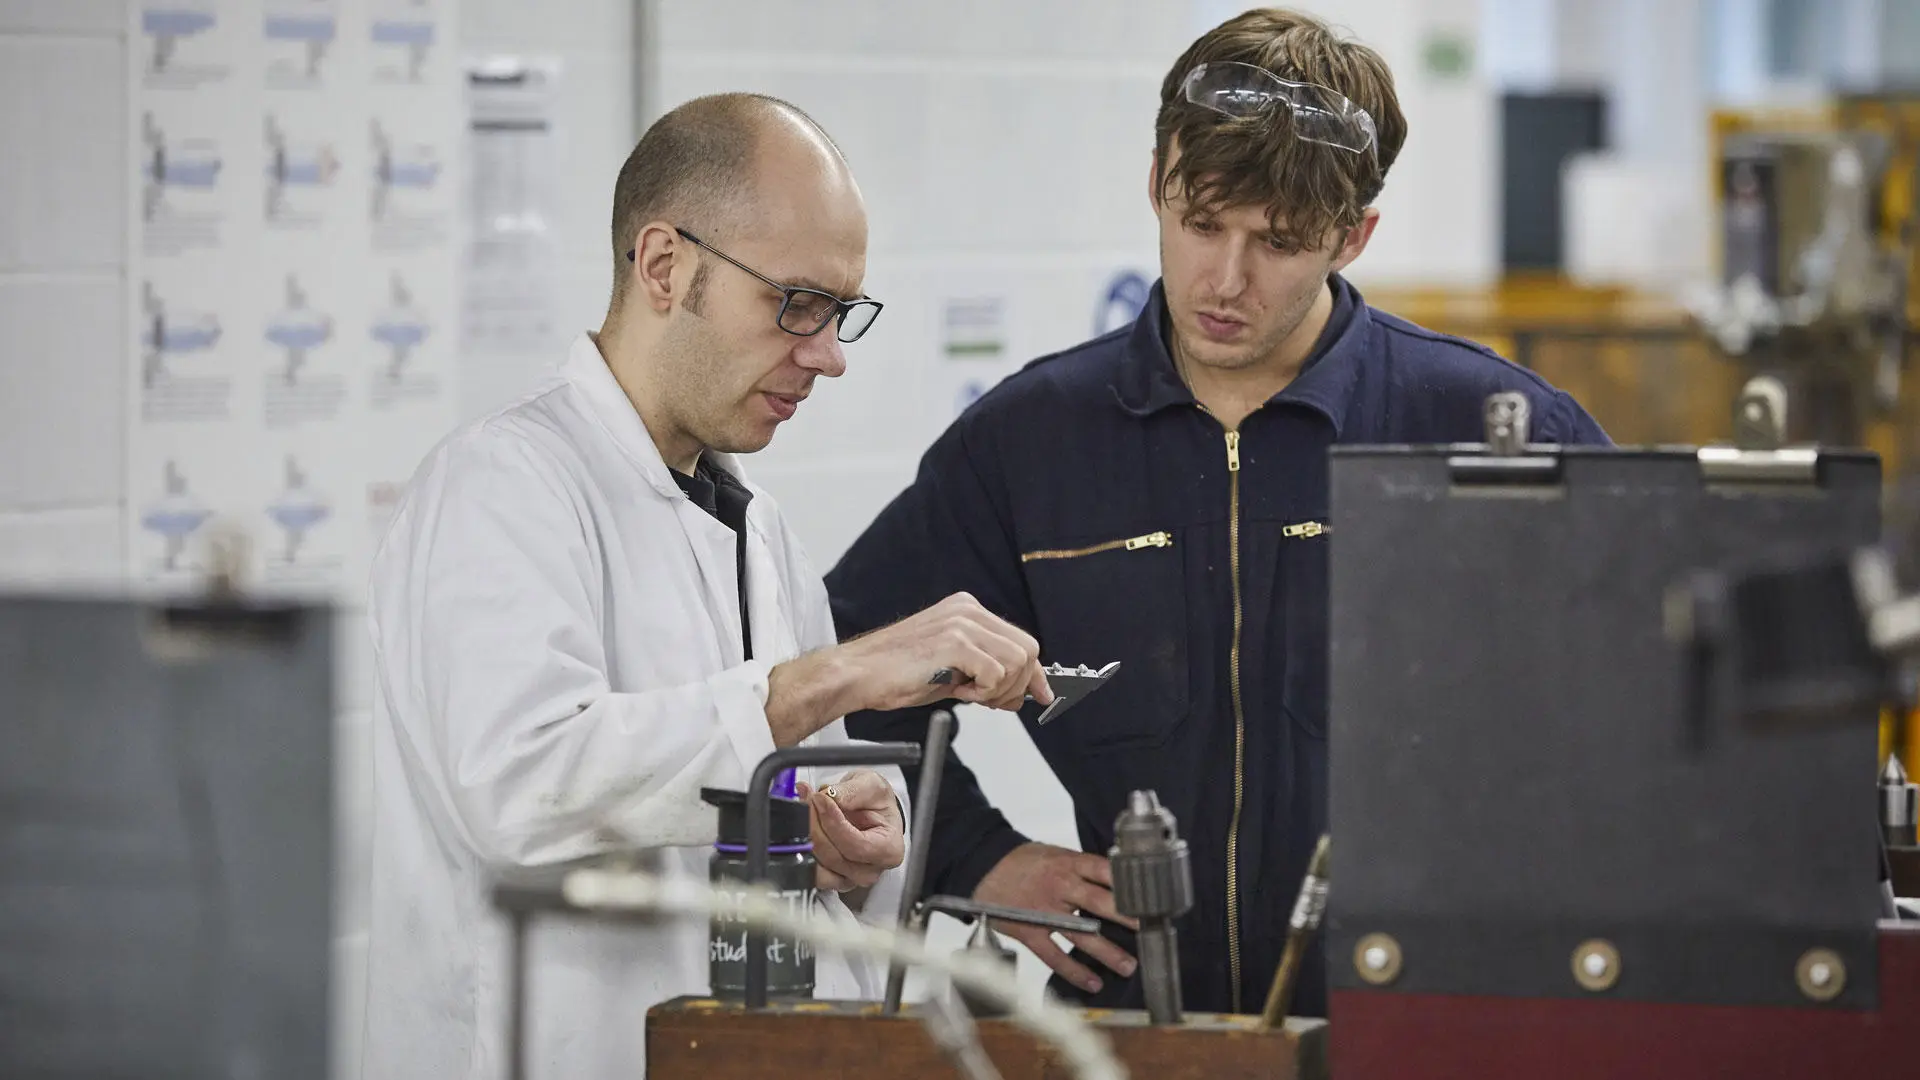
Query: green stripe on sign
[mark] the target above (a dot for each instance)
(974, 348)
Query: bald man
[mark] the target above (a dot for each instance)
(583, 614)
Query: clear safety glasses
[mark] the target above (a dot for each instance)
(1319, 114)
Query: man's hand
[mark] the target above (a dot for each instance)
(994, 662)
(857, 831)
(1042, 877)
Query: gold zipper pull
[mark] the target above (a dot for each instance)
(1305, 528)
(1153, 539)
(1233, 451)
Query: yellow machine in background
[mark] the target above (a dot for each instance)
(1818, 248)
(1818, 257)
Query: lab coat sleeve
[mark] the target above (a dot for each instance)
(489, 612)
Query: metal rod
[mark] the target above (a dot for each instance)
(1307, 911)
(517, 1018)
(1160, 960)
(960, 905)
(926, 802)
(759, 825)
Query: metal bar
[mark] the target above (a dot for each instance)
(517, 1019)
(926, 802)
(759, 806)
(1066, 924)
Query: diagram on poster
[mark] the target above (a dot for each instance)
(403, 33)
(298, 34)
(295, 394)
(174, 517)
(290, 217)
(408, 208)
(175, 344)
(181, 206)
(300, 179)
(182, 506)
(183, 44)
(304, 538)
(400, 327)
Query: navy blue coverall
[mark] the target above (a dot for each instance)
(1089, 499)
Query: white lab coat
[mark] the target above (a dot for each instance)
(557, 639)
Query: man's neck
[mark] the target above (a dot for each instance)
(622, 353)
(1233, 394)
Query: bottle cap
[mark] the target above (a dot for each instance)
(790, 827)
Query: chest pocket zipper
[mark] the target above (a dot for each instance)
(1306, 529)
(1132, 543)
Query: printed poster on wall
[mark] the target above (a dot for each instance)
(293, 226)
(509, 298)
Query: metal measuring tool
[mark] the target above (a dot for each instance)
(1069, 685)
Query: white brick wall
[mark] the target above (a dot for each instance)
(62, 275)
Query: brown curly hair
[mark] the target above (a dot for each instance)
(1309, 189)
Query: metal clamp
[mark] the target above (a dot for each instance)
(1759, 453)
(1509, 419)
(1510, 457)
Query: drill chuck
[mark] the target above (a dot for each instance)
(1153, 882)
(1151, 876)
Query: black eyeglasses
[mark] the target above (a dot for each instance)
(804, 312)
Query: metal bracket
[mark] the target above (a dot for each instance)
(1759, 453)
(1509, 457)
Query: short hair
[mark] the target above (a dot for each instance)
(1309, 188)
(695, 168)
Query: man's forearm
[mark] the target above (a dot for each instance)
(806, 694)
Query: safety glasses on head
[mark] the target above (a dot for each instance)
(1319, 115)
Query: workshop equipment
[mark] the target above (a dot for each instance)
(704, 1039)
(1899, 805)
(759, 823)
(1551, 864)
(986, 945)
(933, 759)
(1308, 907)
(984, 942)
(791, 868)
(167, 836)
(1069, 685)
(1153, 882)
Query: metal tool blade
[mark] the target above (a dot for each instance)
(1070, 685)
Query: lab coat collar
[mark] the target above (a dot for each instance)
(712, 543)
(587, 369)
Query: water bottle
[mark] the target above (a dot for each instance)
(790, 873)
